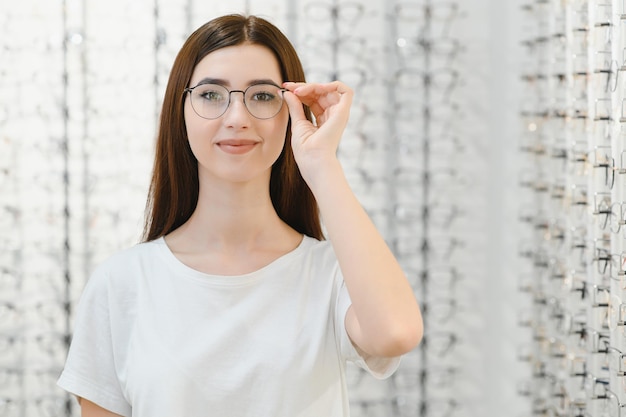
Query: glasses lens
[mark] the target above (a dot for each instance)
(209, 100)
(264, 101)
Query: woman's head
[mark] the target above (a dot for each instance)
(175, 184)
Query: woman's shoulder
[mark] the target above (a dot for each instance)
(140, 252)
(125, 265)
(320, 252)
(314, 246)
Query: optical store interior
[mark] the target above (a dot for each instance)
(486, 141)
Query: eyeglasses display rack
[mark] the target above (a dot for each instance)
(574, 224)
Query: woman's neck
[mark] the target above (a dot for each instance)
(232, 232)
(233, 217)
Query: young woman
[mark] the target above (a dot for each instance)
(235, 305)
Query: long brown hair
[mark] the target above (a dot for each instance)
(174, 188)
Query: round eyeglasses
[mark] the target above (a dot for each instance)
(211, 101)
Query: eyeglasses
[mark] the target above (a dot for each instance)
(440, 343)
(210, 101)
(374, 407)
(52, 405)
(346, 12)
(9, 407)
(613, 404)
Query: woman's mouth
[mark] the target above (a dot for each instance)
(237, 146)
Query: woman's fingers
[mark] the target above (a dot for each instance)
(295, 107)
(311, 93)
(320, 97)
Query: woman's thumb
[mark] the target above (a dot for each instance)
(296, 111)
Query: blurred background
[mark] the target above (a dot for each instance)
(485, 141)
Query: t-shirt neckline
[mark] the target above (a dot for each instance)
(277, 263)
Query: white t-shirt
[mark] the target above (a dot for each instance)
(156, 338)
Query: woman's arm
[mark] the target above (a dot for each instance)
(89, 409)
(384, 319)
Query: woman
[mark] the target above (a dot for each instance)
(235, 305)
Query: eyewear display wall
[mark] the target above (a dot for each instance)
(575, 243)
(81, 84)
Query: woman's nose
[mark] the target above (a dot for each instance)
(237, 114)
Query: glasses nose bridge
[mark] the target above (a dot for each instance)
(243, 100)
(243, 97)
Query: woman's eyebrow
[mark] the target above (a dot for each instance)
(218, 81)
(263, 81)
(226, 83)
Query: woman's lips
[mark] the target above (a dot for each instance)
(236, 146)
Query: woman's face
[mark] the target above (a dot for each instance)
(236, 146)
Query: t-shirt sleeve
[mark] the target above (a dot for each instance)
(379, 367)
(90, 370)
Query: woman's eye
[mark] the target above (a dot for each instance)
(211, 95)
(263, 96)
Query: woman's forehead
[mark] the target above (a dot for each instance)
(239, 64)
